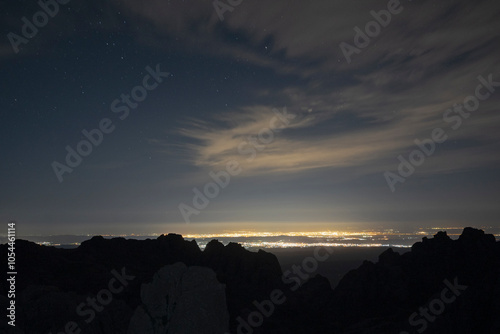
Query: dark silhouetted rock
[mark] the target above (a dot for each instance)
(181, 300)
(374, 298)
(379, 298)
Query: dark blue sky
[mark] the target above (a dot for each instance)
(336, 158)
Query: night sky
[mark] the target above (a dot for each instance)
(176, 93)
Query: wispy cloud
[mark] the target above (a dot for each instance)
(427, 59)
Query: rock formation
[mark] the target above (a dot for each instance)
(440, 286)
(181, 300)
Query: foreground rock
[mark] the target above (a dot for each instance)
(181, 300)
(57, 287)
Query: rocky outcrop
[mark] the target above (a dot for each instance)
(181, 300)
(381, 297)
(52, 283)
(248, 275)
(172, 286)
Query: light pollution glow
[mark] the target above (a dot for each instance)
(387, 237)
(384, 238)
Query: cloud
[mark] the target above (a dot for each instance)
(286, 35)
(215, 145)
(387, 126)
(397, 88)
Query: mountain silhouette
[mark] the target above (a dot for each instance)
(168, 285)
